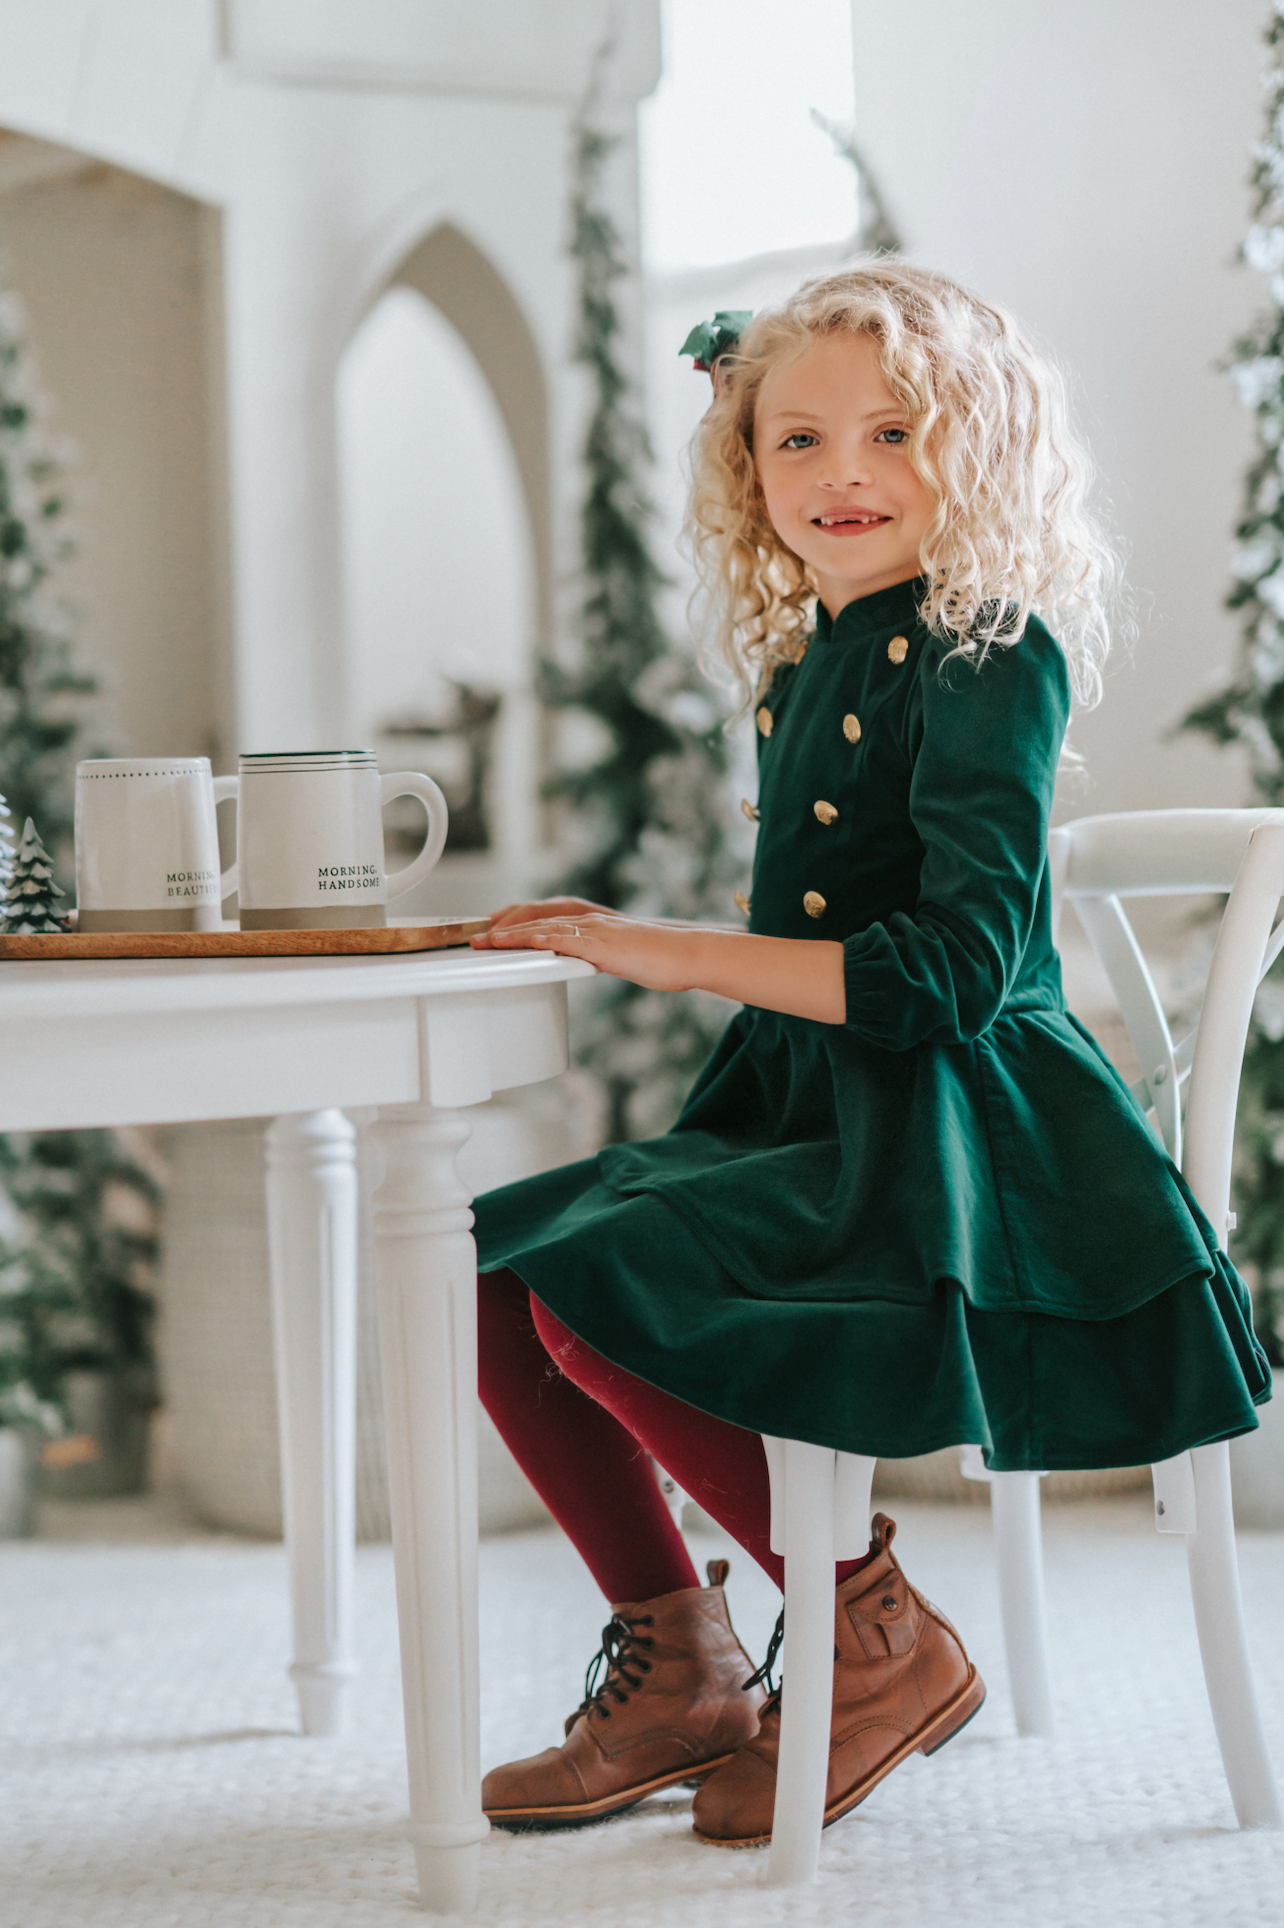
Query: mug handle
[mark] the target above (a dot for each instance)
(227, 789)
(413, 783)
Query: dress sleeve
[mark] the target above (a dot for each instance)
(984, 767)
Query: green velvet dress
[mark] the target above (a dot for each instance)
(945, 1220)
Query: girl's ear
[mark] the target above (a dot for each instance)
(720, 378)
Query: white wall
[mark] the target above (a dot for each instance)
(1084, 161)
(732, 163)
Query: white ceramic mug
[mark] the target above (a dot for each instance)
(146, 844)
(309, 839)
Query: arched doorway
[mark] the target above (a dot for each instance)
(120, 280)
(442, 443)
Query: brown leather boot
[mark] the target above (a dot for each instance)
(672, 1707)
(902, 1683)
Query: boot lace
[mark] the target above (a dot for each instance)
(621, 1654)
(763, 1677)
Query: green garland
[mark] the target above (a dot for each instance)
(647, 810)
(1249, 711)
(41, 691)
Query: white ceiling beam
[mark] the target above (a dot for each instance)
(496, 47)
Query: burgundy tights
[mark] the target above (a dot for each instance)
(581, 1429)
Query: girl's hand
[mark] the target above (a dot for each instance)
(540, 909)
(660, 957)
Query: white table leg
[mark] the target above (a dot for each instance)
(426, 1272)
(312, 1234)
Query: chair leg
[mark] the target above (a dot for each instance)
(1223, 1644)
(1018, 1546)
(853, 1479)
(807, 1704)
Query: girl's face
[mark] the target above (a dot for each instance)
(831, 444)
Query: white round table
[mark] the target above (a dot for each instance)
(306, 1040)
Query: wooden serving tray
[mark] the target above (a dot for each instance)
(430, 934)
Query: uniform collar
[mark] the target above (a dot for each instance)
(883, 610)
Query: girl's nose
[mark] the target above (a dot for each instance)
(846, 469)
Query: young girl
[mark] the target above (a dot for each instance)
(908, 1203)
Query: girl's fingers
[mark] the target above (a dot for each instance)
(624, 947)
(545, 910)
(560, 934)
(512, 916)
(516, 914)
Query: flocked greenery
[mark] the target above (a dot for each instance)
(77, 1236)
(1249, 711)
(74, 1265)
(34, 902)
(41, 691)
(647, 814)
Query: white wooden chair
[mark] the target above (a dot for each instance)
(820, 1500)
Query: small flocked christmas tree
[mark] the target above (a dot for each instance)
(1249, 710)
(31, 899)
(650, 809)
(77, 1237)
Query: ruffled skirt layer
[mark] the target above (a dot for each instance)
(1035, 1390)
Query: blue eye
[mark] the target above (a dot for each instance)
(893, 436)
(801, 438)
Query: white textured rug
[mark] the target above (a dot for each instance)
(150, 1775)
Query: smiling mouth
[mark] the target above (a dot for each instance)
(849, 522)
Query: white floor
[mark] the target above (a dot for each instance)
(150, 1775)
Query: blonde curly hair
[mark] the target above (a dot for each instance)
(991, 440)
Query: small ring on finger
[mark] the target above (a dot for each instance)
(575, 930)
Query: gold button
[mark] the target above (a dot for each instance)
(749, 810)
(742, 902)
(764, 720)
(851, 728)
(825, 811)
(898, 649)
(814, 904)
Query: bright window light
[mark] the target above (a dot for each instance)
(732, 163)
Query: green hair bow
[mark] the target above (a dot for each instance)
(710, 339)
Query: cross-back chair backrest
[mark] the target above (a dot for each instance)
(1098, 861)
